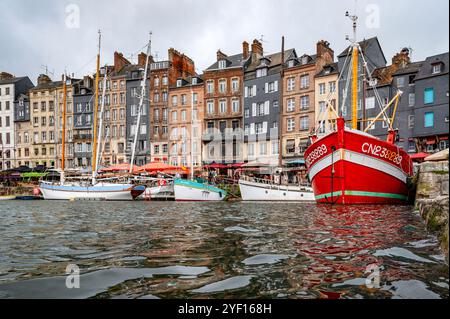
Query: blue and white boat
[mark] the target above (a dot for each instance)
(188, 190)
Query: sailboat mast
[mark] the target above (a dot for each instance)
(355, 59)
(141, 102)
(192, 133)
(63, 151)
(94, 133)
(100, 128)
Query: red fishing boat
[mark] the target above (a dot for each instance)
(349, 166)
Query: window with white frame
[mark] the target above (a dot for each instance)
(411, 121)
(412, 99)
(322, 106)
(235, 105)
(322, 88)
(369, 122)
(251, 149)
(247, 113)
(210, 107)
(222, 106)
(261, 72)
(290, 124)
(400, 82)
(304, 123)
(291, 84)
(437, 68)
(222, 86)
(290, 107)
(370, 103)
(332, 86)
(304, 102)
(183, 115)
(263, 148)
(165, 80)
(222, 64)
(174, 100)
(246, 129)
(235, 84)
(210, 86)
(304, 81)
(275, 148)
(174, 116)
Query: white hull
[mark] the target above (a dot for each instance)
(100, 191)
(254, 191)
(192, 191)
(159, 192)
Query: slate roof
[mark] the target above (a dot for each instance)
(236, 60)
(12, 80)
(364, 44)
(333, 70)
(426, 69)
(275, 59)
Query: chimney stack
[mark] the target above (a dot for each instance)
(257, 50)
(119, 61)
(42, 79)
(245, 51)
(401, 59)
(5, 75)
(323, 47)
(220, 55)
(142, 57)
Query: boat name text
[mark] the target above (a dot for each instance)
(316, 154)
(382, 152)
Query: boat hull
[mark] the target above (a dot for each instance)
(159, 192)
(192, 191)
(100, 191)
(254, 191)
(350, 167)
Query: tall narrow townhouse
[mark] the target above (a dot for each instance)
(223, 115)
(163, 75)
(262, 94)
(186, 122)
(22, 128)
(11, 88)
(135, 75)
(326, 97)
(299, 101)
(113, 141)
(43, 132)
(83, 101)
(69, 124)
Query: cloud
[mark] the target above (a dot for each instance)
(34, 33)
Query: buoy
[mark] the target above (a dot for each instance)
(162, 182)
(36, 191)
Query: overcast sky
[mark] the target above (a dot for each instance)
(47, 32)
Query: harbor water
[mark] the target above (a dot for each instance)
(217, 250)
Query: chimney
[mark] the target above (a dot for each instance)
(220, 55)
(5, 75)
(245, 52)
(42, 79)
(401, 59)
(323, 47)
(142, 57)
(119, 61)
(257, 50)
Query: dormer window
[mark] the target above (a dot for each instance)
(179, 83)
(290, 63)
(327, 71)
(261, 72)
(437, 68)
(20, 102)
(222, 64)
(194, 81)
(305, 60)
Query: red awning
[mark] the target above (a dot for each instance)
(431, 141)
(216, 165)
(419, 155)
(157, 167)
(443, 138)
(124, 167)
(235, 165)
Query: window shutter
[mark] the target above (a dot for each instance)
(252, 128)
(254, 109)
(246, 91)
(266, 87)
(264, 127)
(267, 108)
(276, 86)
(254, 90)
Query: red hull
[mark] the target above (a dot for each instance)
(350, 167)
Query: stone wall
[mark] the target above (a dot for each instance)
(432, 199)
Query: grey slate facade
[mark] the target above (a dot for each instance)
(83, 118)
(262, 102)
(431, 118)
(133, 86)
(22, 108)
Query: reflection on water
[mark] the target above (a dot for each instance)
(216, 250)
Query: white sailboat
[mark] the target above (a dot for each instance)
(191, 190)
(88, 190)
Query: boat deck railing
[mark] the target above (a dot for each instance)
(271, 183)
